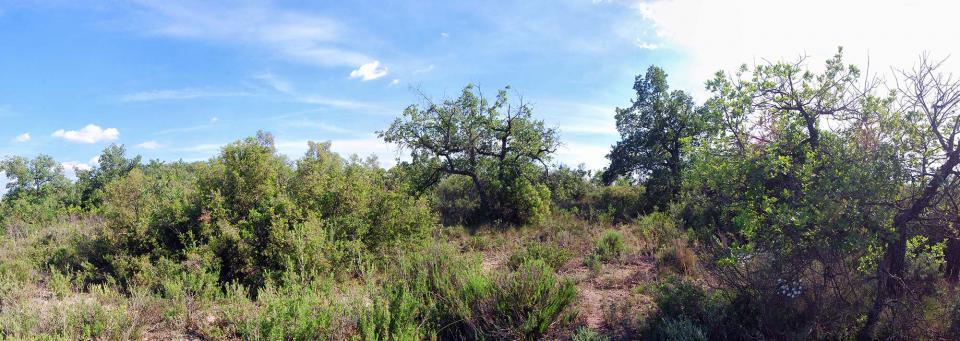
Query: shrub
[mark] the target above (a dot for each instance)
(456, 200)
(620, 202)
(587, 334)
(528, 301)
(446, 290)
(677, 329)
(677, 257)
(685, 310)
(554, 256)
(294, 311)
(657, 230)
(609, 247)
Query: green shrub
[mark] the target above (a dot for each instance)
(685, 310)
(294, 311)
(657, 230)
(530, 300)
(620, 203)
(554, 256)
(531, 202)
(394, 317)
(610, 246)
(448, 291)
(587, 334)
(457, 201)
(677, 329)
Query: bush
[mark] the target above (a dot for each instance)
(657, 230)
(609, 247)
(294, 311)
(620, 203)
(677, 257)
(457, 202)
(685, 310)
(554, 256)
(587, 334)
(445, 290)
(530, 300)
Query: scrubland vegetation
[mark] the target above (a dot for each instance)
(791, 204)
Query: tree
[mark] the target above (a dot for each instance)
(931, 104)
(498, 146)
(112, 164)
(34, 177)
(653, 131)
(791, 209)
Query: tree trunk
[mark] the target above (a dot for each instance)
(891, 269)
(951, 255)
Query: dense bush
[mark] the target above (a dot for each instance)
(550, 254)
(610, 246)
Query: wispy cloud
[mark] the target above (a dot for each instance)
(177, 94)
(91, 133)
(305, 123)
(275, 82)
(293, 35)
(579, 118)
(424, 70)
(150, 145)
(23, 137)
(201, 148)
(369, 71)
(333, 102)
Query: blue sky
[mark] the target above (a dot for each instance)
(172, 79)
(179, 79)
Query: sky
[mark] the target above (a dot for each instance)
(176, 79)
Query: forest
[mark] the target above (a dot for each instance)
(800, 200)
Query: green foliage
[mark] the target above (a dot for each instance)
(37, 191)
(687, 311)
(294, 311)
(528, 301)
(498, 146)
(620, 202)
(449, 292)
(654, 131)
(610, 246)
(550, 254)
(112, 164)
(587, 334)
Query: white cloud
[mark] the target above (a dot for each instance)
(646, 45)
(425, 70)
(149, 145)
(187, 93)
(74, 166)
(369, 71)
(23, 137)
(444, 35)
(593, 156)
(395, 81)
(718, 35)
(293, 35)
(92, 133)
(214, 119)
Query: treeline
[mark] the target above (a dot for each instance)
(818, 204)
